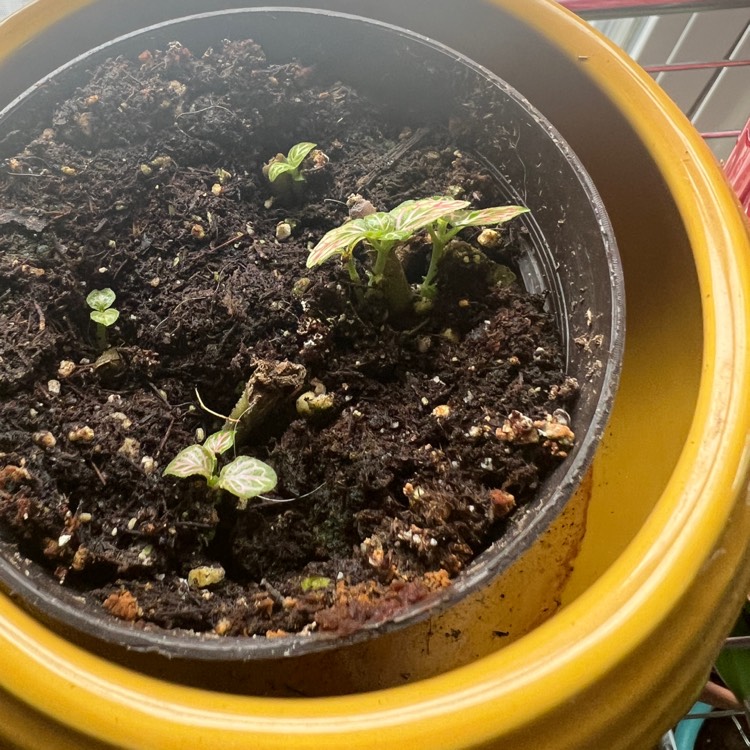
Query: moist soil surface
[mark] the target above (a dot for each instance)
(148, 181)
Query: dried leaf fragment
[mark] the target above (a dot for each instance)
(123, 604)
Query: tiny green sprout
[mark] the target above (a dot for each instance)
(446, 227)
(244, 477)
(289, 164)
(102, 313)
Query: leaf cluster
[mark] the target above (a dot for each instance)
(100, 301)
(291, 163)
(442, 216)
(383, 227)
(245, 477)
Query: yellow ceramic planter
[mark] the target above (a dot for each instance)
(664, 565)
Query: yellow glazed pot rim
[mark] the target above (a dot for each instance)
(545, 670)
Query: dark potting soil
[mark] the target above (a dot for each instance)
(149, 181)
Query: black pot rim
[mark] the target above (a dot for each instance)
(21, 578)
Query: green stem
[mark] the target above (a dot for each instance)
(392, 287)
(383, 250)
(101, 337)
(352, 270)
(439, 240)
(355, 278)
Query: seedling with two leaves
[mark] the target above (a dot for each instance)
(285, 172)
(102, 313)
(289, 164)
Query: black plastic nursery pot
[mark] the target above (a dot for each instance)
(568, 254)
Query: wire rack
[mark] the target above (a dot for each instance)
(699, 52)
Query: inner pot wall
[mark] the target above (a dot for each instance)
(571, 255)
(664, 564)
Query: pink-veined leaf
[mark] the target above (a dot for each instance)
(486, 216)
(412, 216)
(277, 169)
(220, 442)
(336, 242)
(298, 152)
(247, 477)
(195, 459)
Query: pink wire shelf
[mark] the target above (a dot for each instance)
(603, 8)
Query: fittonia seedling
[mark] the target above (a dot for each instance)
(446, 227)
(289, 164)
(382, 230)
(285, 172)
(244, 477)
(102, 313)
(442, 217)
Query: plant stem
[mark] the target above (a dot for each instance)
(383, 250)
(352, 270)
(101, 337)
(392, 287)
(271, 385)
(439, 240)
(438, 247)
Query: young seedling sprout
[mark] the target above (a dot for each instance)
(244, 477)
(445, 228)
(289, 164)
(102, 313)
(442, 217)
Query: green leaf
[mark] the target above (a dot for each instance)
(105, 317)
(220, 442)
(277, 169)
(394, 236)
(247, 477)
(195, 459)
(297, 153)
(377, 224)
(336, 242)
(315, 583)
(101, 299)
(382, 233)
(412, 216)
(486, 216)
